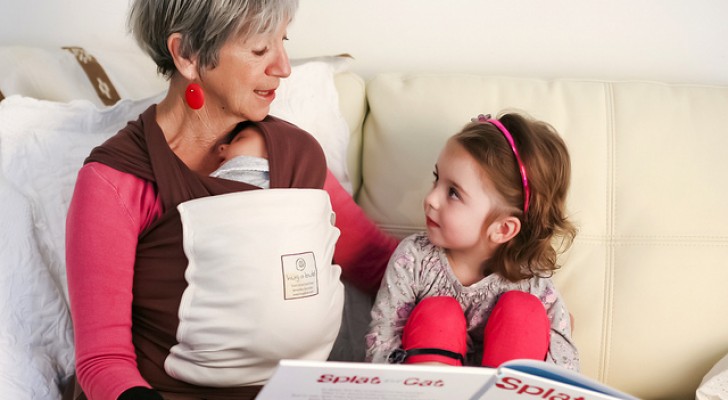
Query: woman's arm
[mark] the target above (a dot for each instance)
(363, 249)
(104, 219)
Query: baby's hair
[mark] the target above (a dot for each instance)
(546, 161)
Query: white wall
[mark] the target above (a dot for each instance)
(665, 40)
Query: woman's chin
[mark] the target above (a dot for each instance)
(258, 115)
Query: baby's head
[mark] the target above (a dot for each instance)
(249, 141)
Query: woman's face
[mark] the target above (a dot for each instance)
(248, 73)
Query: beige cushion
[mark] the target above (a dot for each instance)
(648, 193)
(96, 74)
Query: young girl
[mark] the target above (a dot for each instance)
(475, 289)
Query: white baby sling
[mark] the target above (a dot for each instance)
(261, 285)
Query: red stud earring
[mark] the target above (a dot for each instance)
(194, 96)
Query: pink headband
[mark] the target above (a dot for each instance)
(522, 168)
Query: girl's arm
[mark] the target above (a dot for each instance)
(363, 249)
(562, 350)
(104, 220)
(394, 303)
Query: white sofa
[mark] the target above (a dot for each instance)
(646, 276)
(645, 279)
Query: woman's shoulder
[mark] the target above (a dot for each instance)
(98, 172)
(138, 196)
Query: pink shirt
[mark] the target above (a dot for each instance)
(105, 238)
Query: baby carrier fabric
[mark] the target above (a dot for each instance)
(261, 285)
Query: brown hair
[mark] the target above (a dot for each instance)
(546, 160)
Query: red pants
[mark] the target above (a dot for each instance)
(436, 331)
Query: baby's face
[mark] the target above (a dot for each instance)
(248, 142)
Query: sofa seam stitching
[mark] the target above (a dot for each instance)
(611, 222)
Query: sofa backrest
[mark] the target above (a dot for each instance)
(646, 276)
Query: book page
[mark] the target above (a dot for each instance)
(313, 380)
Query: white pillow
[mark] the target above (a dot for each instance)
(308, 98)
(36, 339)
(99, 75)
(714, 385)
(42, 146)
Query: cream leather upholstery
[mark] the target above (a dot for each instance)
(647, 274)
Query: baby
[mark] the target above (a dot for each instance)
(245, 159)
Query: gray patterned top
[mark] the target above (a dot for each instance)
(419, 269)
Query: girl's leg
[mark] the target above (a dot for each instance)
(518, 327)
(435, 332)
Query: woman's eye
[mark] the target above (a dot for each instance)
(260, 52)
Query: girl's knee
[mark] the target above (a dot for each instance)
(518, 300)
(436, 331)
(439, 310)
(518, 327)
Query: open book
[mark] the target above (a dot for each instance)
(514, 380)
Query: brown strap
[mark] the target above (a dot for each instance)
(96, 75)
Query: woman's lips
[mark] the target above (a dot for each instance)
(269, 95)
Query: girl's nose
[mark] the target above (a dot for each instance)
(431, 200)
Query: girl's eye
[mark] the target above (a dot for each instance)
(452, 192)
(435, 175)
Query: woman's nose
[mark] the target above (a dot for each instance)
(280, 66)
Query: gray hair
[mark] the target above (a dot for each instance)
(205, 26)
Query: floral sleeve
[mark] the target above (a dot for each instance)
(394, 303)
(562, 350)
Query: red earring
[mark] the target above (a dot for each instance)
(195, 96)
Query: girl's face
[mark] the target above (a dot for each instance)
(247, 75)
(461, 199)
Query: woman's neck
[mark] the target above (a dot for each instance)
(193, 135)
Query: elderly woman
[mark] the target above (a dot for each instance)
(125, 255)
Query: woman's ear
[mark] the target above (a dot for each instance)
(186, 65)
(504, 229)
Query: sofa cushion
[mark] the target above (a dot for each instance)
(647, 193)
